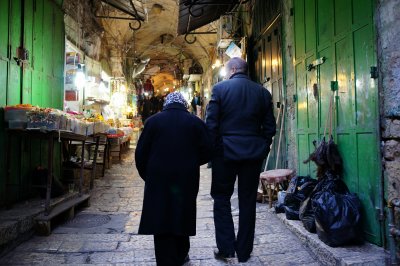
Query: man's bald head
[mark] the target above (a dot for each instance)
(236, 65)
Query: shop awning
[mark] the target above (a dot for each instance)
(194, 14)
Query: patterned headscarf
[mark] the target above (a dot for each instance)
(175, 97)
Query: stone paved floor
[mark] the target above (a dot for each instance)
(106, 232)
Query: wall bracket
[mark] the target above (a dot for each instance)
(193, 3)
(197, 33)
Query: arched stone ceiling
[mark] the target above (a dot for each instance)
(156, 39)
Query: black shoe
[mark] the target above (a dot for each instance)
(186, 260)
(244, 259)
(223, 256)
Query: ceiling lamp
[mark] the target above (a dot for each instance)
(157, 9)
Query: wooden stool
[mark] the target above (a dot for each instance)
(274, 178)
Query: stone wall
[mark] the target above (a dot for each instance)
(388, 38)
(81, 28)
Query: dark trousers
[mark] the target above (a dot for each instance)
(171, 250)
(223, 180)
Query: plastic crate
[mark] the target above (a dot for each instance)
(16, 114)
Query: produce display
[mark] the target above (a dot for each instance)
(47, 118)
(27, 116)
(16, 115)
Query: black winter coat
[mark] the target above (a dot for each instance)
(170, 150)
(241, 119)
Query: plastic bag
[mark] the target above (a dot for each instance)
(299, 188)
(279, 208)
(337, 214)
(306, 212)
(306, 215)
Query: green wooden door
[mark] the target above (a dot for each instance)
(38, 27)
(14, 71)
(268, 71)
(4, 65)
(4, 50)
(341, 31)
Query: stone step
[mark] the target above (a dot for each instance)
(366, 254)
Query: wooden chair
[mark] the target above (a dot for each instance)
(271, 180)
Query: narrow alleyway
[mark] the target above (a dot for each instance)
(106, 232)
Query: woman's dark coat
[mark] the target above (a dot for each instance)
(170, 150)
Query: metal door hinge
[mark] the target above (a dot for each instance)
(294, 98)
(374, 72)
(291, 12)
(334, 85)
(380, 216)
(316, 63)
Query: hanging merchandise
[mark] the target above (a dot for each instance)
(148, 87)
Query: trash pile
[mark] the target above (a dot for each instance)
(325, 206)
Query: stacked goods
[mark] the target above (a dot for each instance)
(100, 127)
(46, 118)
(127, 133)
(16, 115)
(97, 124)
(26, 116)
(78, 126)
(65, 121)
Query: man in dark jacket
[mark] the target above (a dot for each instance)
(196, 104)
(241, 121)
(170, 150)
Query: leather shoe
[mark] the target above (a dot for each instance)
(243, 259)
(186, 260)
(222, 256)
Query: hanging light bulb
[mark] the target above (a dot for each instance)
(80, 80)
(222, 72)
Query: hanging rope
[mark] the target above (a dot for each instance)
(329, 116)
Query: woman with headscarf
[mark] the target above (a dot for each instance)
(170, 150)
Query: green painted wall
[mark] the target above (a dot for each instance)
(37, 26)
(342, 31)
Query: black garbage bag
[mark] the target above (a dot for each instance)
(291, 205)
(306, 215)
(306, 212)
(337, 214)
(279, 208)
(299, 188)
